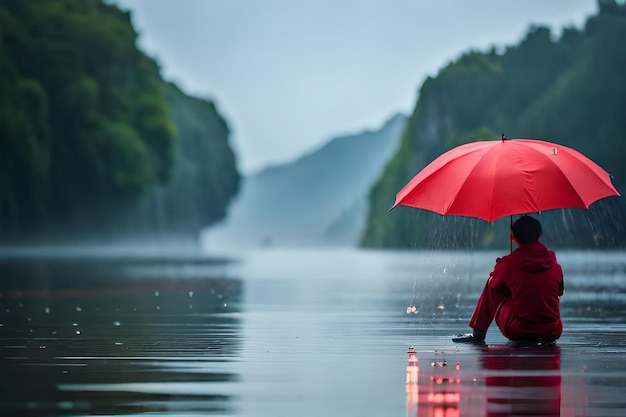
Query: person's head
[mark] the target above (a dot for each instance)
(526, 229)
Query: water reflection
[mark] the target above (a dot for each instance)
(522, 381)
(511, 381)
(80, 338)
(434, 393)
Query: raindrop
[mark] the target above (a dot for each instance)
(117, 323)
(118, 343)
(74, 324)
(190, 307)
(191, 293)
(77, 331)
(225, 304)
(158, 307)
(79, 309)
(156, 293)
(47, 310)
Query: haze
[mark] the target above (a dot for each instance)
(288, 76)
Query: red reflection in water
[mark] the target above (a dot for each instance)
(517, 381)
(435, 394)
(527, 381)
(412, 380)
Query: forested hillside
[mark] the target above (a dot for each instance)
(93, 142)
(569, 90)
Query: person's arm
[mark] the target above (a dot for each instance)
(497, 276)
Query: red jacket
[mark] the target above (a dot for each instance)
(534, 279)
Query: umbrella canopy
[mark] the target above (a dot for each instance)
(493, 179)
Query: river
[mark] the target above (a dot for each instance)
(295, 332)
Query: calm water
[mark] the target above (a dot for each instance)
(307, 333)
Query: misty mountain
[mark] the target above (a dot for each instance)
(318, 199)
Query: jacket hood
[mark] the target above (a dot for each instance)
(534, 258)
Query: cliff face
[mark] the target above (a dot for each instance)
(565, 91)
(203, 182)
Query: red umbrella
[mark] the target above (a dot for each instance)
(493, 179)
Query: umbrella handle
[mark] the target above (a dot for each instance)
(510, 228)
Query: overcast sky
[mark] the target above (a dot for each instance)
(288, 75)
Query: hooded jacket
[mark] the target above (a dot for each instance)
(534, 280)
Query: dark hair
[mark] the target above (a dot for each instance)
(526, 229)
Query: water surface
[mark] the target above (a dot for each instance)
(296, 332)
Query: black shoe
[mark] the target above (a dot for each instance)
(469, 338)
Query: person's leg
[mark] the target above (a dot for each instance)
(486, 307)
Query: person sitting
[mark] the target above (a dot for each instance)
(522, 292)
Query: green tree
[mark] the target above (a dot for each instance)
(86, 132)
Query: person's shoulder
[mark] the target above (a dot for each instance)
(503, 260)
(551, 252)
(508, 256)
(554, 257)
